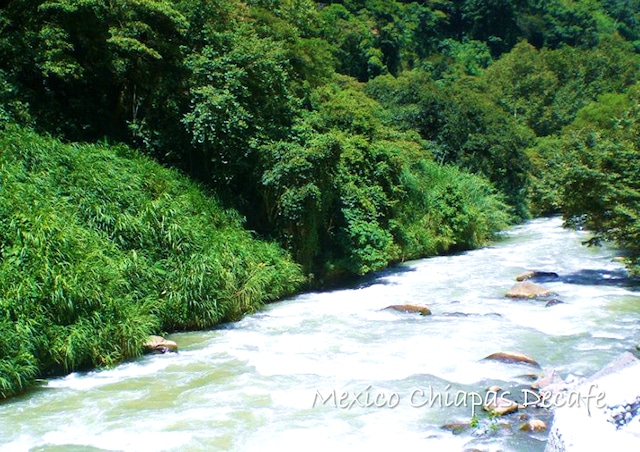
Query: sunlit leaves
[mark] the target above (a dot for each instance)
(300, 192)
(446, 209)
(99, 250)
(239, 96)
(595, 177)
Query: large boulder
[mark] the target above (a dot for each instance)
(602, 413)
(411, 308)
(512, 357)
(158, 344)
(527, 289)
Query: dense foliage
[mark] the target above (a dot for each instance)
(594, 177)
(101, 248)
(351, 133)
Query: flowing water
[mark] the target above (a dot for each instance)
(268, 382)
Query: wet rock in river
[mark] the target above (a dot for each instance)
(500, 406)
(534, 425)
(455, 314)
(465, 314)
(527, 289)
(550, 377)
(410, 308)
(512, 357)
(538, 275)
(492, 314)
(553, 302)
(158, 344)
(456, 427)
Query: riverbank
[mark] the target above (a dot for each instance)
(250, 385)
(102, 247)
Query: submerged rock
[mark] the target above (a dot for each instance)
(455, 314)
(158, 344)
(528, 289)
(534, 274)
(492, 314)
(411, 308)
(456, 427)
(512, 357)
(553, 302)
(465, 314)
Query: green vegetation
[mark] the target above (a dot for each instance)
(596, 178)
(101, 247)
(348, 135)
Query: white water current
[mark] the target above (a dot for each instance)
(266, 382)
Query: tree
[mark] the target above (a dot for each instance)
(570, 23)
(239, 99)
(92, 69)
(524, 85)
(601, 186)
(300, 194)
(493, 22)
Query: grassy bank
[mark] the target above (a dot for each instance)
(101, 247)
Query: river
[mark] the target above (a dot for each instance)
(266, 382)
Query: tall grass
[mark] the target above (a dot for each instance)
(446, 209)
(100, 247)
